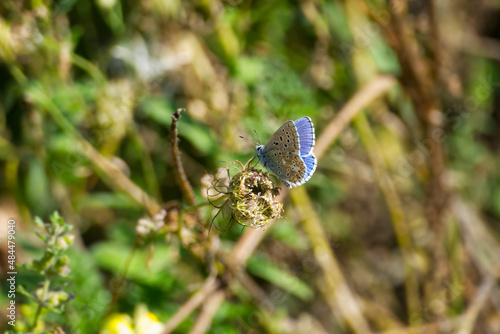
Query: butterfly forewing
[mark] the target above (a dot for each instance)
(283, 149)
(286, 139)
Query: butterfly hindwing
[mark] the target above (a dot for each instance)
(305, 130)
(311, 162)
(289, 168)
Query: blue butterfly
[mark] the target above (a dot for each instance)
(289, 152)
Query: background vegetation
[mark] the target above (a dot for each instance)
(396, 232)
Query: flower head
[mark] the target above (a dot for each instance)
(252, 198)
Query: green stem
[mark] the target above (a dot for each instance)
(41, 302)
(90, 68)
(195, 207)
(121, 279)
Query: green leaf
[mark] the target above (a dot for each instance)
(41, 236)
(289, 234)
(105, 200)
(22, 290)
(113, 256)
(198, 135)
(249, 69)
(56, 219)
(37, 187)
(158, 110)
(39, 222)
(265, 269)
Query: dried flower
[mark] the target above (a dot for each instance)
(252, 197)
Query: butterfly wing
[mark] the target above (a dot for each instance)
(281, 155)
(311, 163)
(289, 152)
(305, 130)
(289, 168)
(285, 139)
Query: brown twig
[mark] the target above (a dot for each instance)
(117, 179)
(463, 324)
(180, 174)
(417, 81)
(210, 285)
(480, 241)
(210, 306)
(339, 295)
(482, 295)
(374, 89)
(434, 40)
(396, 211)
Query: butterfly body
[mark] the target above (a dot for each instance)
(289, 152)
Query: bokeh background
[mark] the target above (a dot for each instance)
(396, 232)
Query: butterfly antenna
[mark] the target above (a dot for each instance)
(253, 141)
(260, 140)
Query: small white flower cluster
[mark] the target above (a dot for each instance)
(149, 227)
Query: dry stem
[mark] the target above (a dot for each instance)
(180, 174)
(210, 285)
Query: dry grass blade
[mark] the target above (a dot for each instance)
(210, 285)
(371, 91)
(396, 211)
(117, 180)
(207, 312)
(339, 295)
(482, 295)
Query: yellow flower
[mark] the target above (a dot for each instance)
(144, 322)
(118, 324)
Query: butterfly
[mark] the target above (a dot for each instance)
(289, 152)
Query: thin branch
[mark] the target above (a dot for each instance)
(480, 240)
(396, 211)
(482, 295)
(418, 83)
(116, 179)
(180, 174)
(434, 40)
(210, 285)
(339, 296)
(371, 91)
(207, 313)
(463, 324)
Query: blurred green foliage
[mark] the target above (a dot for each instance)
(111, 72)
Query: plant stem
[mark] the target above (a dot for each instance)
(121, 279)
(41, 302)
(180, 174)
(195, 207)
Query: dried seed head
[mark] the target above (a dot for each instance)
(252, 198)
